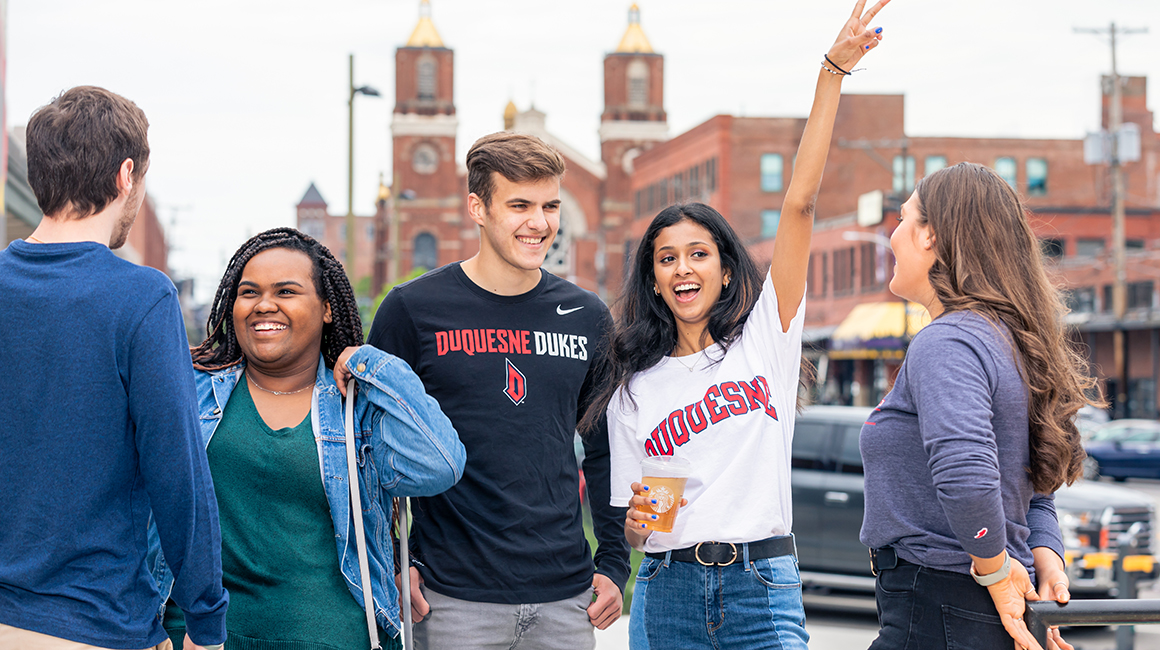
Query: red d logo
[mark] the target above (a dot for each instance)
(517, 385)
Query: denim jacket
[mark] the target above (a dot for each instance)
(406, 447)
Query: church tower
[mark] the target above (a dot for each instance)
(633, 121)
(426, 190)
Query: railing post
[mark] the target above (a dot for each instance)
(1036, 625)
(1127, 544)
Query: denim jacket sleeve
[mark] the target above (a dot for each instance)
(413, 441)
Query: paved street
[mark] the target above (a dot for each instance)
(838, 629)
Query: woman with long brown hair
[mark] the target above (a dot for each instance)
(963, 455)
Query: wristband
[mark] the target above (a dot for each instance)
(217, 646)
(992, 578)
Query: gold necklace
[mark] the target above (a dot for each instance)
(277, 392)
(690, 367)
(39, 241)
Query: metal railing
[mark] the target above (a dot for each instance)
(1119, 611)
(1125, 610)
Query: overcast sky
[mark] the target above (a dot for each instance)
(247, 98)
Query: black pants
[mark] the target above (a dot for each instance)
(928, 609)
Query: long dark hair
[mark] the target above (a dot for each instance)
(987, 260)
(646, 331)
(220, 348)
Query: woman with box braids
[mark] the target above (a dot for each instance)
(220, 348)
(284, 341)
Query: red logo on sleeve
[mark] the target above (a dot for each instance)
(517, 385)
(982, 533)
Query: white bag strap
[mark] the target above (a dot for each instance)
(405, 563)
(356, 510)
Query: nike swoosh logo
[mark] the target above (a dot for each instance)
(564, 312)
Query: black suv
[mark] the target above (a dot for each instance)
(828, 503)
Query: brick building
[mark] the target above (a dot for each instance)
(424, 222)
(856, 330)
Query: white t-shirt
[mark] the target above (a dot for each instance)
(733, 420)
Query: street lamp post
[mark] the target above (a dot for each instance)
(351, 239)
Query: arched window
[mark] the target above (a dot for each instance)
(638, 84)
(426, 78)
(573, 225)
(425, 254)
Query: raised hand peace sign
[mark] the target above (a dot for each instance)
(857, 37)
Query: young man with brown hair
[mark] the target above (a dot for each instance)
(511, 353)
(100, 428)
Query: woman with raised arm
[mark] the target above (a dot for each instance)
(284, 339)
(705, 367)
(978, 428)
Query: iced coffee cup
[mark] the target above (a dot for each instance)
(665, 477)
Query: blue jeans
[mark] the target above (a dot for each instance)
(927, 609)
(686, 606)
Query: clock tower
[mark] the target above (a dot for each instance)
(427, 189)
(633, 121)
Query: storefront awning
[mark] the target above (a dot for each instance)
(877, 330)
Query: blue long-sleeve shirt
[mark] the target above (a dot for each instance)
(99, 433)
(945, 453)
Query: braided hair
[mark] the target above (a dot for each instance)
(220, 348)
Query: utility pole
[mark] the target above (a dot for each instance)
(1120, 285)
(393, 232)
(351, 230)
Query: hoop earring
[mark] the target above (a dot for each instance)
(656, 290)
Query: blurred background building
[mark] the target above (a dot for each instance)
(856, 330)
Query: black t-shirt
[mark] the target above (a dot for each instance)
(512, 373)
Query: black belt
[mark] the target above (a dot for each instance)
(884, 559)
(726, 553)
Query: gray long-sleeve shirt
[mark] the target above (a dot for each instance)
(946, 453)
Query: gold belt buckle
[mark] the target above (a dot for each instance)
(697, 554)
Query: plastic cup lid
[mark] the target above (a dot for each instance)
(666, 466)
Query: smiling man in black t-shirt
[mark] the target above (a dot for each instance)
(510, 352)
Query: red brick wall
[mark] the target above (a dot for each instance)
(147, 239)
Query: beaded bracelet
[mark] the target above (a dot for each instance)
(834, 72)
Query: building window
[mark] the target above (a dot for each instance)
(370, 232)
(772, 166)
(1036, 177)
(843, 271)
(314, 228)
(1051, 247)
(1140, 295)
(869, 267)
(811, 287)
(903, 175)
(1082, 300)
(695, 181)
(1134, 244)
(825, 274)
(426, 79)
(678, 188)
(425, 254)
(711, 174)
(1089, 247)
(1005, 168)
(769, 221)
(933, 164)
(637, 84)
